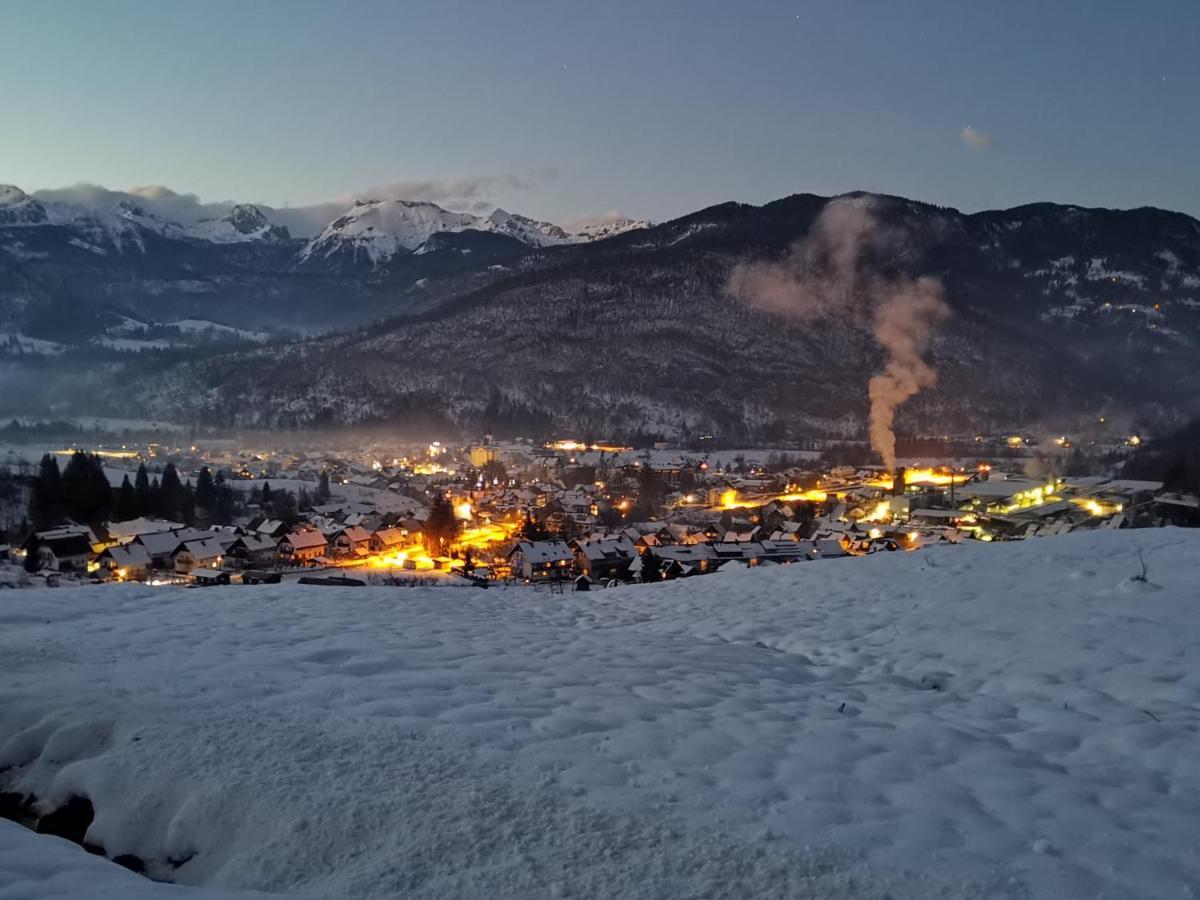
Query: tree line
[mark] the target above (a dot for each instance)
(80, 492)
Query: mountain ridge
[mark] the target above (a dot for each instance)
(1059, 311)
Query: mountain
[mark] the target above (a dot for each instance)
(598, 231)
(18, 208)
(374, 231)
(1060, 314)
(376, 234)
(66, 269)
(244, 223)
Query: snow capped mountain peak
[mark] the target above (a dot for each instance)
(10, 195)
(18, 208)
(376, 230)
(370, 232)
(598, 231)
(244, 223)
(246, 217)
(528, 231)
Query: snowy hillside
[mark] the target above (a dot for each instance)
(1004, 721)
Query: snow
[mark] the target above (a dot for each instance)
(380, 229)
(131, 345)
(244, 224)
(528, 231)
(84, 245)
(1097, 271)
(206, 327)
(23, 343)
(11, 195)
(598, 231)
(973, 720)
(49, 868)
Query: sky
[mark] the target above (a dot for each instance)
(567, 111)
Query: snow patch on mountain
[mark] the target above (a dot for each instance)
(216, 329)
(598, 231)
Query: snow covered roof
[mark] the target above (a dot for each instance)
(208, 548)
(66, 531)
(162, 542)
(1189, 500)
(305, 540)
(255, 543)
(608, 549)
(390, 537)
(131, 528)
(545, 551)
(998, 488)
(686, 552)
(127, 555)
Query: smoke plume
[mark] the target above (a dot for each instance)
(840, 268)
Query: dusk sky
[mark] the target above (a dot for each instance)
(563, 110)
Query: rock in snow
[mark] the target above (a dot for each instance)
(766, 733)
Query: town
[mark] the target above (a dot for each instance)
(563, 514)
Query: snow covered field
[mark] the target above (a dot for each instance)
(1017, 720)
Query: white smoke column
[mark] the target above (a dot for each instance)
(834, 271)
(904, 322)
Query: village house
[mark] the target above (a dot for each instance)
(385, 540)
(534, 560)
(124, 532)
(274, 528)
(602, 559)
(63, 551)
(352, 541)
(128, 562)
(302, 547)
(205, 553)
(161, 545)
(253, 550)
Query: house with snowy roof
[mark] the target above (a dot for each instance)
(123, 532)
(605, 558)
(302, 547)
(254, 550)
(129, 562)
(63, 551)
(204, 553)
(161, 545)
(541, 559)
(387, 539)
(352, 541)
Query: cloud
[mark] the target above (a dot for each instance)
(974, 138)
(474, 193)
(155, 198)
(457, 192)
